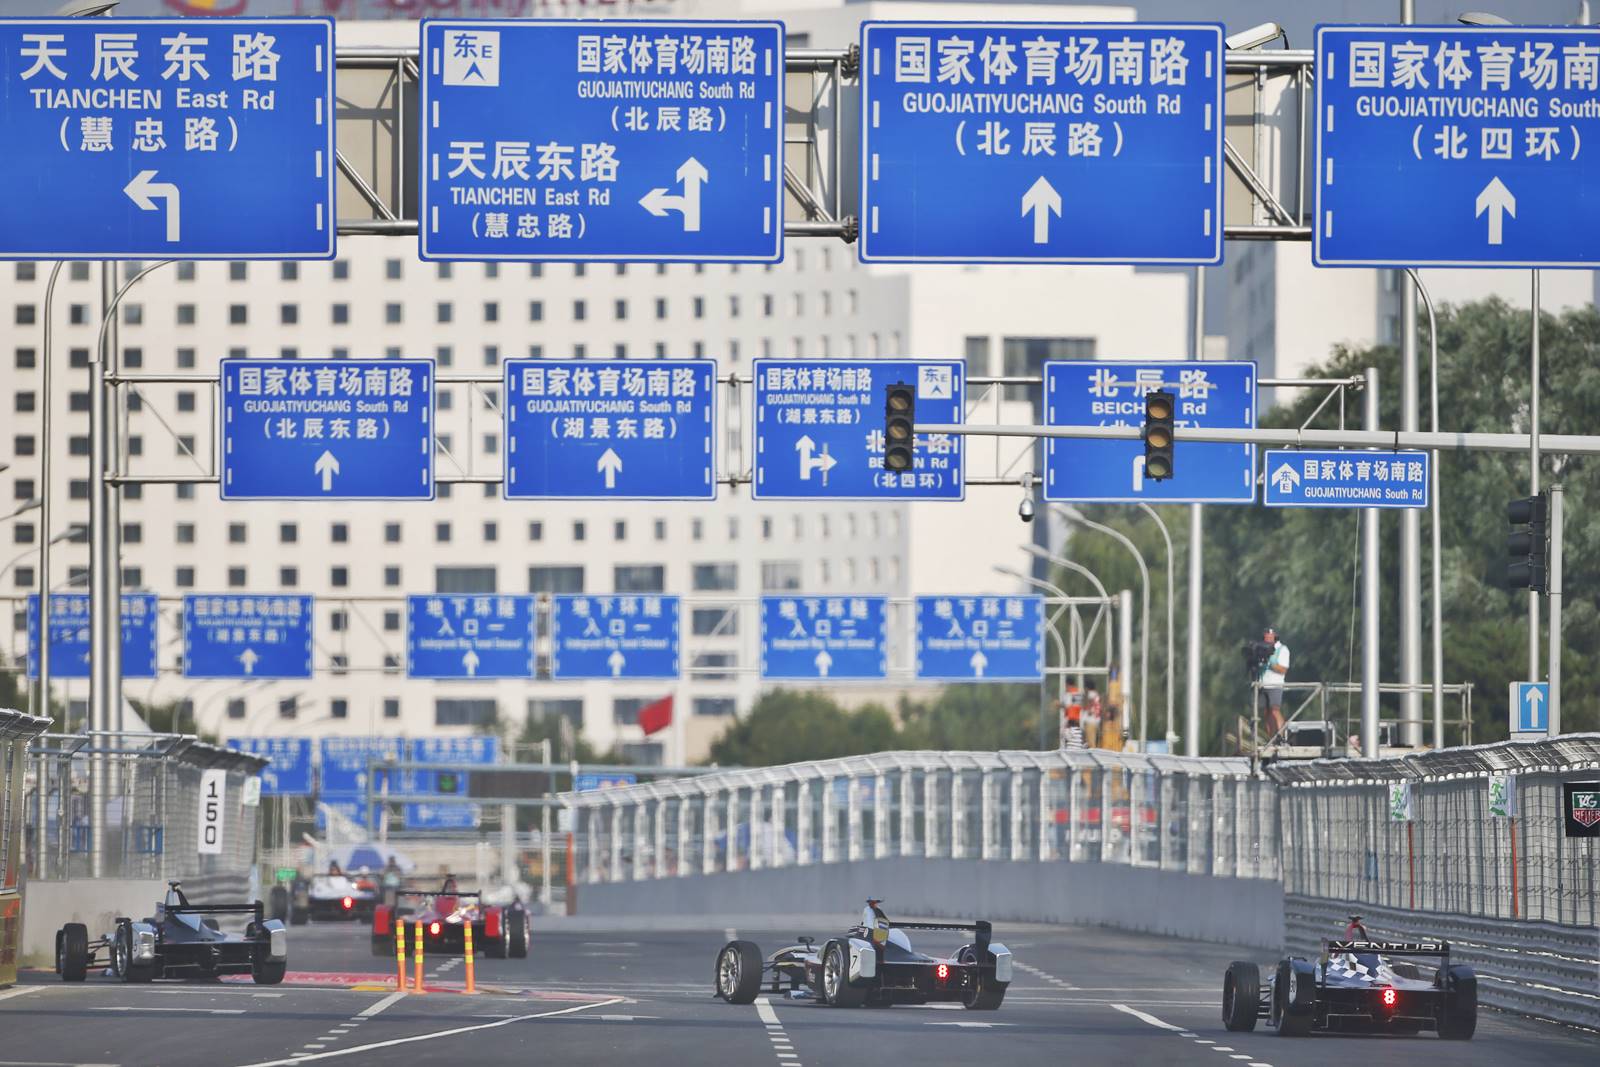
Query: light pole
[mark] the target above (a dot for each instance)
(1061, 648)
(64, 535)
(1079, 568)
(1073, 515)
(1172, 738)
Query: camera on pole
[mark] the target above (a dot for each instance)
(1159, 408)
(1528, 543)
(899, 420)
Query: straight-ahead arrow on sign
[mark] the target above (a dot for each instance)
(823, 662)
(609, 464)
(1497, 200)
(1041, 199)
(327, 466)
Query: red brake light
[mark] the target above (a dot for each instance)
(942, 972)
(348, 903)
(1389, 997)
(433, 928)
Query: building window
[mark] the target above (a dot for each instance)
(185, 359)
(1026, 356)
(235, 708)
(238, 314)
(491, 311)
(236, 533)
(132, 533)
(237, 578)
(579, 531)
(391, 533)
(339, 577)
(536, 310)
(639, 579)
(722, 622)
(391, 269)
(183, 578)
(443, 311)
(536, 530)
(288, 577)
(780, 576)
(339, 708)
(392, 314)
(491, 531)
(464, 580)
(391, 708)
(456, 712)
(570, 709)
(723, 707)
(391, 577)
(288, 314)
(391, 622)
(715, 577)
(579, 310)
(289, 708)
(339, 533)
(338, 621)
(555, 579)
(341, 314)
(625, 710)
(619, 530)
(441, 533)
(185, 533)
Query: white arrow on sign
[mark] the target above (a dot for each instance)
(144, 192)
(469, 660)
(1285, 478)
(812, 460)
(327, 466)
(823, 662)
(616, 661)
(658, 201)
(248, 657)
(1497, 200)
(979, 661)
(1041, 199)
(1533, 698)
(609, 464)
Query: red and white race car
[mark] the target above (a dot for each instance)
(498, 930)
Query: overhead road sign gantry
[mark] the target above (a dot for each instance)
(612, 140)
(469, 635)
(69, 635)
(453, 815)
(1209, 394)
(824, 638)
(233, 635)
(610, 429)
(980, 638)
(327, 429)
(1457, 146)
(1041, 142)
(1343, 478)
(819, 429)
(288, 772)
(627, 636)
(167, 139)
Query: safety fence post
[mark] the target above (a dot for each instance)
(466, 929)
(419, 986)
(400, 951)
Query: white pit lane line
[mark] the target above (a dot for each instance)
(416, 1038)
(1186, 1035)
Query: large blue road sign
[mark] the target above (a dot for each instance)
(167, 139)
(289, 772)
(611, 429)
(819, 429)
(614, 636)
(980, 638)
(69, 635)
(602, 140)
(1456, 146)
(824, 638)
(464, 635)
(1210, 395)
(1530, 708)
(589, 783)
(232, 635)
(454, 815)
(327, 429)
(1345, 479)
(1041, 142)
(344, 764)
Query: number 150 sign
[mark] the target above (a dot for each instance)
(213, 794)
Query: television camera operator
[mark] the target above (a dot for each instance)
(1267, 661)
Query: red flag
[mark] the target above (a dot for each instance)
(656, 716)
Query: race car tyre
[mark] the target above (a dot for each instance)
(738, 976)
(122, 958)
(1241, 997)
(72, 952)
(494, 948)
(267, 971)
(983, 996)
(1458, 1020)
(836, 987)
(1287, 994)
(519, 934)
(278, 903)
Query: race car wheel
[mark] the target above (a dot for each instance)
(267, 971)
(1241, 996)
(72, 952)
(1286, 994)
(278, 903)
(299, 916)
(122, 964)
(836, 987)
(1458, 1019)
(494, 948)
(519, 934)
(984, 995)
(738, 975)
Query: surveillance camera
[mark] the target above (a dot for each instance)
(1025, 509)
(1254, 37)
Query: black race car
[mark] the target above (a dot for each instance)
(873, 964)
(498, 930)
(181, 940)
(1357, 986)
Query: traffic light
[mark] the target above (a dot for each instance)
(899, 418)
(1159, 407)
(1527, 543)
(448, 782)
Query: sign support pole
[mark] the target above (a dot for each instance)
(1370, 599)
(1410, 530)
(1191, 698)
(1553, 586)
(1533, 476)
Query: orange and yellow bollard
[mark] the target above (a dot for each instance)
(400, 952)
(471, 958)
(418, 985)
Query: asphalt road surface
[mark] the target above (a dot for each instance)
(642, 995)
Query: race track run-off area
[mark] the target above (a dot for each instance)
(592, 995)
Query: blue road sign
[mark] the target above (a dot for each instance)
(463, 635)
(452, 816)
(289, 773)
(167, 139)
(575, 140)
(1456, 146)
(344, 764)
(589, 783)
(824, 638)
(69, 635)
(1041, 142)
(1212, 394)
(819, 429)
(1530, 708)
(327, 429)
(614, 429)
(980, 638)
(614, 636)
(1345, 479)
(231, 635)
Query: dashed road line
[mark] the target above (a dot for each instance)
(1059, 983)
(344, 1029)
(782, 1047)
(20, 991)
(1188, 1035)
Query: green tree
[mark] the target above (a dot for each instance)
(789, 726)
(974, 718)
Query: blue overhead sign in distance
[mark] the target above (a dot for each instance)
(1345, 479)
(453, 815)
(345, 761)
(1041, 142)
(327, 429)
(464, 635)
(614, 636)
(815, 637)
(610, 429)
(819, 429)
(589, 783)
(1211, 394)
(233, 635)
(616, 140)
(980, 638)
(1457, 146)
(288, 774)
(69, 635)
(167, 138)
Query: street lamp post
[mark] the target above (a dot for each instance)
(1100, 588)
(1061, 649)
(1172, 737)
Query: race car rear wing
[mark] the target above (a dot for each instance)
(1391, 948)
(256, 909)
(474, 895)
(981, 930)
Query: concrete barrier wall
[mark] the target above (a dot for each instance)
(95, 902)
(1196, 907)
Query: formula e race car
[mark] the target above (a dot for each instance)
(498, 930)
(181, 940)
(334, 895)
(873, 965)
(1357, 986)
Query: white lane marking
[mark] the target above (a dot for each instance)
(1059, 983)
(1239, 1056)
(612, 944)
(1188, 1034)
(1221, 1048)
(191, 1011)
(20, 991)
(1151, 1019)
(970, 1026)
(380, 1006)
(49, 1063)
(764, 1010)
(415, 1038)
(782, 1047)
(622, 1018)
